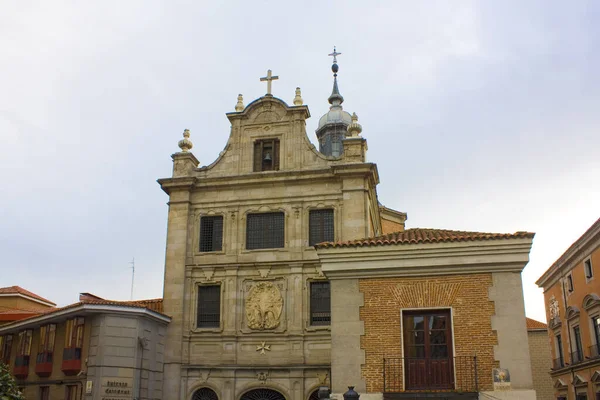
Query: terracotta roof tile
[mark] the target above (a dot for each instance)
(20, 290)
(533, 325)
(421, 235)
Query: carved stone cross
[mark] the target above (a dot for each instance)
(263, 346)
(269, 78)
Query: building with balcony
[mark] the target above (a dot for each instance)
(284, 273)
(572, 297)
(93, 349)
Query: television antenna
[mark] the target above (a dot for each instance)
(132, 262)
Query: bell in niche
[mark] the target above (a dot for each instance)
(268, 157)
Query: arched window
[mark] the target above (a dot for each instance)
(205, 394)
(262, 394)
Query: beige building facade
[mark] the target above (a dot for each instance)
(261, 311)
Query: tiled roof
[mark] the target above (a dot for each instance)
(421, 235)
(152, 304)
(533, 325)
(20, 290)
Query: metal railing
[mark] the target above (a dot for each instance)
(594, 353)
(458, 374)
(576, 357)
(558, 363)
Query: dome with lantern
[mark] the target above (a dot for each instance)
(333, 126)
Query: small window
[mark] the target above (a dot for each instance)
(577, 354)
(320, 226)
(559, 362)
(581, 396)
(44, 392)
(73, 339)
(46, 344)
(211, 233)
(320, 303)
(5, 348)
(266, 155)
(71, 392)
(209, 306)
(24, 348)
(265, 231)
(589, 272)
(569, 283)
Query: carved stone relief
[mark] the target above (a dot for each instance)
(263, 306)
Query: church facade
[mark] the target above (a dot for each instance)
(273, 290)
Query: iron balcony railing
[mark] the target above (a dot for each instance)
(558, 363)
(576, 357)
(401, 374)
(594, 351)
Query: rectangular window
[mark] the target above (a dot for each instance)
(71, 392)
(320, 226)
(320, 303)
(569, 283)
(577, 354)
(587, 264)
(560, 361)
(46, 344)
(44, 392)
(24, 348)
(266, 155)
(265, 231)
(211, 233)
(5, 348)
(209, 306)
(73, 339)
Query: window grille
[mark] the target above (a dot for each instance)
(320, 303)
(265, 231)
(211, 233)
(266, 155)
(209, 306)
(205, 394)
(320, 226)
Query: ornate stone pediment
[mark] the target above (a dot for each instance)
(264, 305)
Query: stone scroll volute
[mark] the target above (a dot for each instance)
(263, 306)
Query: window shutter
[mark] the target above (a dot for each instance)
(257, 156)
(276, 155)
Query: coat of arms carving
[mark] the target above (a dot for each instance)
(554, 308)
(263, 306)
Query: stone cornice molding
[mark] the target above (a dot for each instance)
(575, 254)
(170, 184)
(508, 255)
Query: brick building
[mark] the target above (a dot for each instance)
(541, 359)
(93, 349)
(571, 293)
(261, 310)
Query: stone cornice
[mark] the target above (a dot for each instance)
(170, 184)
(508, 255)
(589, 241)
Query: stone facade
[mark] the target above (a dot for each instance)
(225, 358)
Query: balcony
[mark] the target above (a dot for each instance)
(558, 363)
(43, 365)
(21, 369)
(414, 377)
(576, 357)
(594, 353)
(71, 363)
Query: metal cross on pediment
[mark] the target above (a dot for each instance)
(269, 78)
(335, 54)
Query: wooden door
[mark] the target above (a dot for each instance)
(428, 358)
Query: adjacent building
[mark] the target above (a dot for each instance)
(284, 273)
(571, 293)
(541, 359)
(93, 349)
(17, 303)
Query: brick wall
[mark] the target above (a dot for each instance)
(539, 351)
(467, 295)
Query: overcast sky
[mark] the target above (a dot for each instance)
(481, 116)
